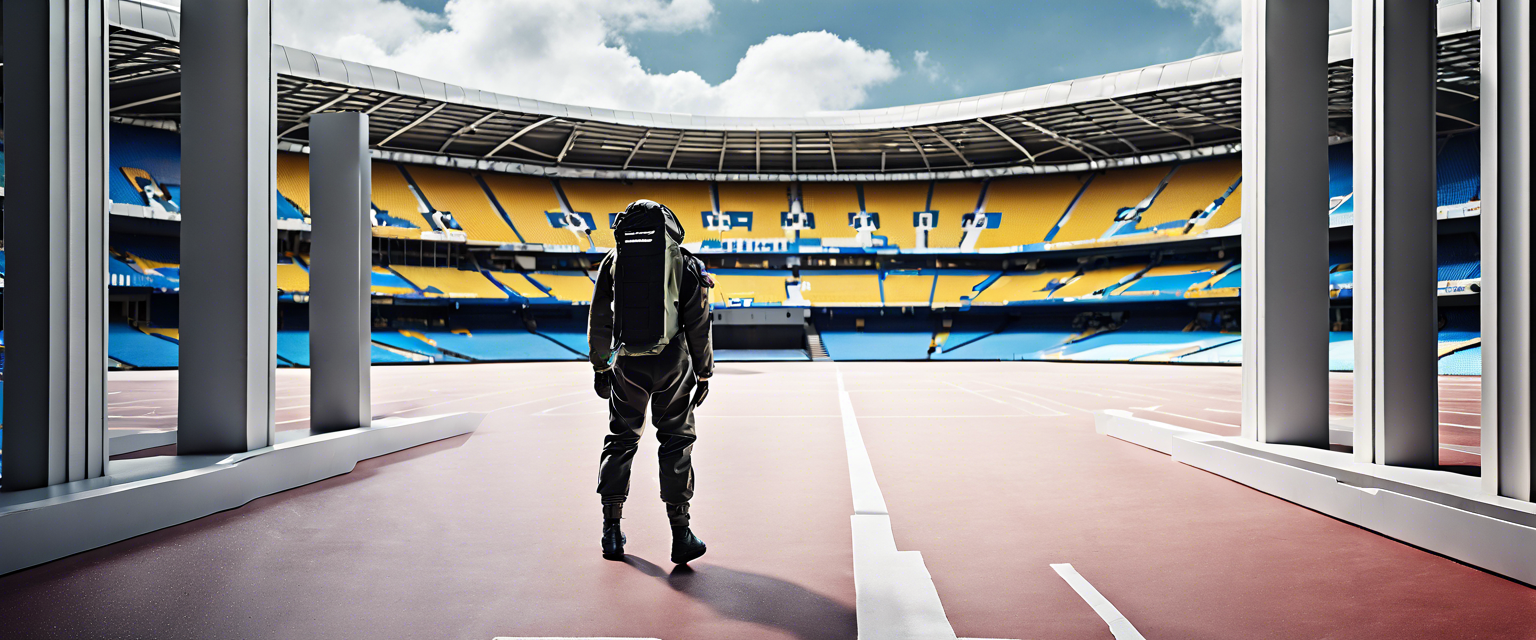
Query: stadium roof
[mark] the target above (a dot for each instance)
(1157, 113)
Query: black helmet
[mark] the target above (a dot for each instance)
(639, 210)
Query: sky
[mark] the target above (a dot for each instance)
(760, 57)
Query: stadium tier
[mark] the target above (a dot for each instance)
(448, 282)
(1053, 211)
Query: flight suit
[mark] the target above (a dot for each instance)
(663, 382)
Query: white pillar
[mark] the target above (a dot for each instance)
(228, 228)
(340, 341)
(56, 277)
(1285, 234)
(1508, 446)
(1395, 315)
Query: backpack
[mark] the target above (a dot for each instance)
(647, 277)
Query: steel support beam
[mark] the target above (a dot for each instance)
(1508, 446)
(512, 140)
(56, 277)
(340, 344)
(1285, 174)
(1395, 314)
(413, 124)
(228, 297)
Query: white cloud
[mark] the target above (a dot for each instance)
(1228, 16)
(573, 51)
(933, 70)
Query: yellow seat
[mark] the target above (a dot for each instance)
(1019, 287)
(838, 290)
(1228, 213)
(448, 282)
(1095, 280)
(948, 289)
(1176, 270)
(293, 179)
(384, 290)
(831, 202)
(526, 199)
(1105, 197)
(766, 200)
(760, 289)
(519, 284)
(458, 193)
(952, 199)
(1193, 187)
(568, 287)
(896, 202)
(292, 278)
(392, 195)
(1027, 208)
(908, 290)
(687, 199)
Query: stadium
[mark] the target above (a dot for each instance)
(969, 336)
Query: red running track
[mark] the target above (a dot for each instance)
(991, 470)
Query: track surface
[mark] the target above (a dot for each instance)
(991, 470)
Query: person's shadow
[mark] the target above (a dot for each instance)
(759, 599)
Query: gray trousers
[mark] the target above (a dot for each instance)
(664, 382)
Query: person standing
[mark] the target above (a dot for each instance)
(648, 333)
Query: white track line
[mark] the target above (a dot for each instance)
(895, 598)
(1118, 625)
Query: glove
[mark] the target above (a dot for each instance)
(700, 392)
(602, 382)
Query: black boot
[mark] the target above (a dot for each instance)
(686, 547)
(613, 539)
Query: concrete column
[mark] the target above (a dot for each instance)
(56, 222)
(341, 188)
(228, 229)
(1285, 234)
(1508, 445)
(1395, 315)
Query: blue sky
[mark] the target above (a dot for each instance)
(983, 46)
(760, 57)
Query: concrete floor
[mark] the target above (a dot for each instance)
(991, 470)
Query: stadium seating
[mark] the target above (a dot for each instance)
(458, 192)
(566, 286)
(952, 199)
(831, 289)
(292, 278)
(293, 182)
(896, 202)
(688, 199)
(392, 196)
(1173, 279)
(527, 201)
(1457, 169)
(907, 289)
(831, 202)
(1193, 187)
(447, 282)
(519, 284)
(1026, 208)
(1109, 192)
(413, 342)
(766, 201)
(1022, 287)
(758, 286)
(1096, 280)
(388, 283)
(135, 348)
(949, 287)
(145, 151)
(1467, 362)
(883, 338)
(568, 332)
(995, 339)
(1458, 256)
(505, 345)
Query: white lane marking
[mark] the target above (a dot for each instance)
(893, 592)
(867, 499)
(1118, 625)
